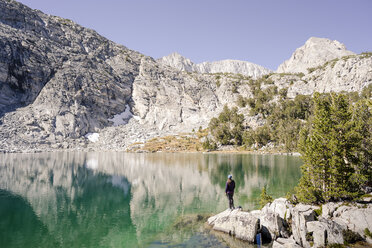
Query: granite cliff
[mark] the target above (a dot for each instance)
(246, 68)
(61, 82)
(315, 52)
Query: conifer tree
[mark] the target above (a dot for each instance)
(362, 116)
(330, 148)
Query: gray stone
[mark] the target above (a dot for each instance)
(325, 232)
(273, 219)
(282, 207)
(315, 52)
(285, 243)
(181, 63)
(302, 214)
(357, 218)
(329, 208)
(242, 225)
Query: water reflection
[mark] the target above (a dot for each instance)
(123, 199)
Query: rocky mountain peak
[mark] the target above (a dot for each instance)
(178, 61)
(181, 63)
(315, 52)
(233, 66)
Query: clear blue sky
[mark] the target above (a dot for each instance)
(261, 31)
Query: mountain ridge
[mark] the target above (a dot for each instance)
(246, 68)
(60, 81)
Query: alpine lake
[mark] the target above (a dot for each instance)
(116, 199)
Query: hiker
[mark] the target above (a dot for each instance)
(229, 190)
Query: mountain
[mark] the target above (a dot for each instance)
(181, 63)
(60, 81)
(315, 52)
(63, 86)
(178, 62)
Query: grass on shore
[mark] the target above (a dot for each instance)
(187, 142)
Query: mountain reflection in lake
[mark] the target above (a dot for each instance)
(112, 199)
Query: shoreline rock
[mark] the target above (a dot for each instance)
(288, 225)
(242, 225)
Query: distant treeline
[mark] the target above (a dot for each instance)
(283, 119)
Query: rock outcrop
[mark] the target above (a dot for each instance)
(351, 73)
(242, 225)
(302, 225)
(315, 52)
(178, 62)
(246, 68)
(285, 243)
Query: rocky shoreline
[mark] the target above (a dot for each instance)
(288, 225)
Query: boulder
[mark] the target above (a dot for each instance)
(272, 225)
(329, 208)
(285, 243)
(357, 218)
(274, 219)
(302, 214)
(242, 225)
(282, 207)
(325, 232)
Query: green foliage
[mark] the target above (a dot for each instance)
(318, 212)
(310, 70)
(368, 233)
(362, 117)
(260, 102)
(283, 93)
(367, 92)
(265, 198)
(365, 55)
(301, 74)
(351, 237)
(209, 145)
(258, 137)
(241, 102)
(331, 149)
(227, 128)
(335, 245)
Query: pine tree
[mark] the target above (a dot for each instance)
(227, 128)
(330, 147)
(362, 116)
(265, 198)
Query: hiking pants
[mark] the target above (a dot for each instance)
(231, 201)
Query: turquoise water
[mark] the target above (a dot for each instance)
(112, 199)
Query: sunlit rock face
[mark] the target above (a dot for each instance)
(246, 68)
(315, 52)
(66, 81)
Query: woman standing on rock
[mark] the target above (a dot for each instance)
(229, 190)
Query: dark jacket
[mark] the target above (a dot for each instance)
(230, 186)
